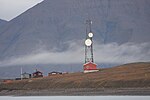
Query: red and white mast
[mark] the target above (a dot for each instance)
(89, 65)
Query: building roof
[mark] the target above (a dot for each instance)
(37, 72)
(55, 72)
(89, 63)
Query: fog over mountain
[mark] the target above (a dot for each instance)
(53, 32)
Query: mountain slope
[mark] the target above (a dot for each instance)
(2, 23)
(52, 23)
(124, 76)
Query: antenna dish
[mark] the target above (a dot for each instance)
(90, 34)
(88, 42)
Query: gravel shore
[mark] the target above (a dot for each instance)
(77, 92)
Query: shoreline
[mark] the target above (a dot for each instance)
(79, 92)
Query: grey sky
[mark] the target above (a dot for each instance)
(9, 9)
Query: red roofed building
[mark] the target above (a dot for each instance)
(37, 74)
(90, 67)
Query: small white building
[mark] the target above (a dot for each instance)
(25, 75)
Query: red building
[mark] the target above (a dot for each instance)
(90, 67)
(37, 74)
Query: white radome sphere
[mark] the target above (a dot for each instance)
(90, 34)
(88, 42)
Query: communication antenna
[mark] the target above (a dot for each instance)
(89, 42)
(89, 65)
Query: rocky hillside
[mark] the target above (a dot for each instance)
(124, 76)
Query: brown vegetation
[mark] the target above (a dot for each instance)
(124, 76)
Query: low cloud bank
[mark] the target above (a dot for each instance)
(111, 53)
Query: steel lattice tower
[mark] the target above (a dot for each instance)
(89, 43)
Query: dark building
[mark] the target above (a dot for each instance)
(37, 74)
